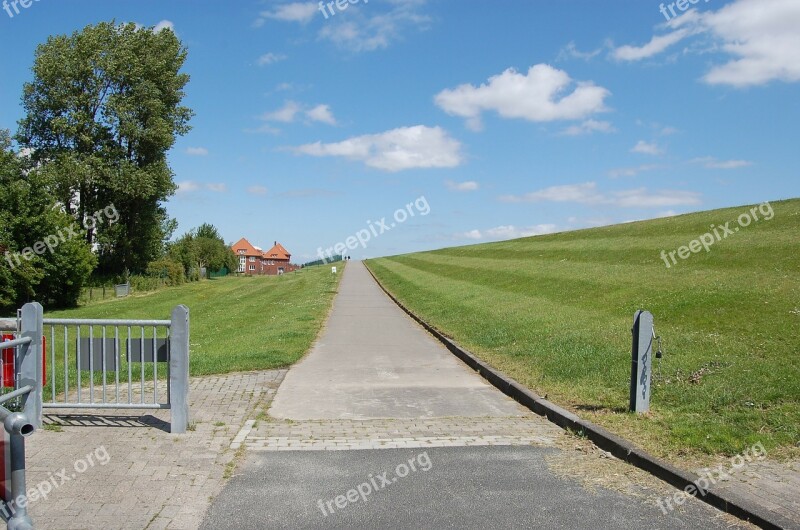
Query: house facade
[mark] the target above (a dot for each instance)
(253, 261)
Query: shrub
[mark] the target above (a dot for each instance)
(170, 271)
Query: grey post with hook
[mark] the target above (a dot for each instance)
(642, 361)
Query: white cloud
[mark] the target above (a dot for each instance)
(645, 148)
(763, 37)
(190, 186)
(164, 24)
(301, 12)
(582, 193)
(264, 129)
(657, 44)
(642, 198)
(759, 36)
(187, 186)
(257, 190)
(291, 109)
(570, 51)
(197, 151)
(589, 127)
(321, 113)
(395, 150)
(508, 232)
(538, 96)
(710, 162)
(472, 234)
(367, 29)
(631, 171)
(285, 114)
(469, 185)
(270, 58)
(587, 193)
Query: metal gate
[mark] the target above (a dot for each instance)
(86, 364)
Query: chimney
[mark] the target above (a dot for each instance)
(276, 244)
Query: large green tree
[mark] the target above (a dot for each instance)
(102, 111)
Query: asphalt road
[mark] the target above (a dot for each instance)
(483, 487)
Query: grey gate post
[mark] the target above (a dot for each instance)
(179, 370)
(29, 367)
(641, 362)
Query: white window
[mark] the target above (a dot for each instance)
(242, 261)
(252, 267)
(252, 259)
(242, 251)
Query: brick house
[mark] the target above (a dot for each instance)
(254, 261)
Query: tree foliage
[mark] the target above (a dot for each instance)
(102, 111)
(54, 276)
(201, 248)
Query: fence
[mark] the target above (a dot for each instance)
(71, 363)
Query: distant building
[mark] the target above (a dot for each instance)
(253, 261)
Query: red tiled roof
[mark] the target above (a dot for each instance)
(277, 252)
(244, 244)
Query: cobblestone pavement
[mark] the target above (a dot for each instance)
(152, 479)
(325, 435)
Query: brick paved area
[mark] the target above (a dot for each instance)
(153, 479)
(323, 435)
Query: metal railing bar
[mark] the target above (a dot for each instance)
(15, 394)
(155, 365)
(91, 364)
(103, 362)
(14, 343)
(102, 322)
(130, 369)
(53, 360)
(141, 362)
(78, 354)
(126, 406)
(116, 360)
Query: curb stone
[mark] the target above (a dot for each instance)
(619, 447)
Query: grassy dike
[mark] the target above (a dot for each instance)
(555, 313)
(237, 323)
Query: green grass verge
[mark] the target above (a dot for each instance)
(555, 313)
(237, 324)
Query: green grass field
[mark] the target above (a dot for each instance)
(237, 324)
(555, 313)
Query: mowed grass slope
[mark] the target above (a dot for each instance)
(555, 313)
(237, 324)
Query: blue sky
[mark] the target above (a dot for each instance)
(510, 118)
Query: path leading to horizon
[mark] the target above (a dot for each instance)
(372, 361)
(378, 404)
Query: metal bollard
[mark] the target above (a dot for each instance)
(18, 428)
(641, 362)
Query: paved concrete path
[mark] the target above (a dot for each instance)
(377, 393)
(372, 361)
